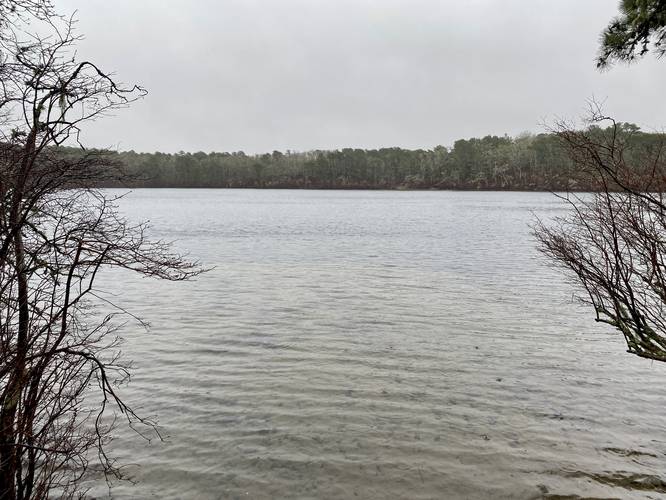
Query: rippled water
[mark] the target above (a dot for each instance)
(378, 345)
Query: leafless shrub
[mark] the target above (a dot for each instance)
(613, 241)
(56, 234)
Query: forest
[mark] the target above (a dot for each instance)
(527, 163)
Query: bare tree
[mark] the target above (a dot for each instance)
(613, 241)
(56, 234)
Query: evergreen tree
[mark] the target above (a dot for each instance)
(640, 26)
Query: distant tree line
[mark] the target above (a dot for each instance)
(526, 162)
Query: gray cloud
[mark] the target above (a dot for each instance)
(306, 74)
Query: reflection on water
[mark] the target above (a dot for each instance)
(378, 345)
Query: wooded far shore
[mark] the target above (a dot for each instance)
(524, 163)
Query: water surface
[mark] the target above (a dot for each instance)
(359, 344)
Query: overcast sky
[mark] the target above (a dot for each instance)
(259, 75)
